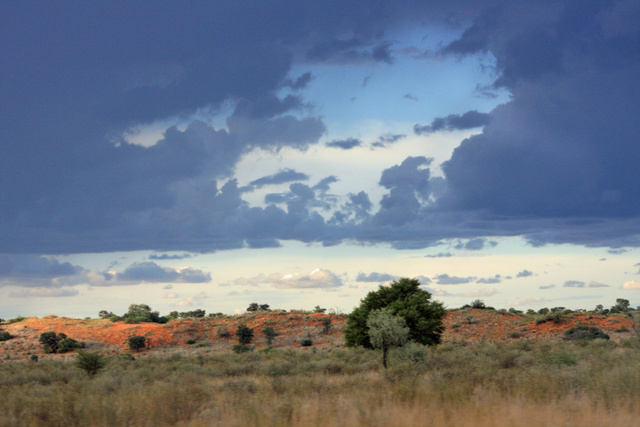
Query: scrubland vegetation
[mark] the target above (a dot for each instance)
(586, 383)
(581, 377)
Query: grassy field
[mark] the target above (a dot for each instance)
(499, 384)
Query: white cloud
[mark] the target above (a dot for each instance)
(318, 278)
(630, 285)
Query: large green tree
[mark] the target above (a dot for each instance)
(405, 299)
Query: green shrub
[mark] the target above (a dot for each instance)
(17, 319)
(559, 358)
(223, 332)
(478, 304)
(244, 334)
(5, 336)
(137, 342)
(585, 333)
(190, 342)
(306, 342)
(241, 348)
(91, 363)
(555, 316)
(326, 325)
(412, 352)
(269, 334)
(49, 341)
(68, 344)
(34, 358)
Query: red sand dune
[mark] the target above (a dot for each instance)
(470, 326)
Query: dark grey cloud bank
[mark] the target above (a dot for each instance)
(556, 164)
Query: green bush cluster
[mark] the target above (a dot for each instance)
(137, 342)
(137, 313)
(585, 333)
(58, 343)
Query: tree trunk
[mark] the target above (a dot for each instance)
(385, 350)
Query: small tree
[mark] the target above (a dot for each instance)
(137, 342)
(269, 334)
(622, 305)
(326, 325)
(254, 306)
(318, 309)
(91, 363)
(244, 334)
(386, 331)
(49, 341)
(478, 304)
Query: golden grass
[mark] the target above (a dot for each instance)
(517, 384)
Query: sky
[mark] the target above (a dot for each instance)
(213, 154)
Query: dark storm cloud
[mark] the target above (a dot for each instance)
(351, 51)
(408, 185)
(163, 257)
(299, 83)
(563, 146)
(30, 266)
(152, 272)
(468, 120)
(386, 140)
(345, 144)
(281, 177)
(557, 163)
(475, 244)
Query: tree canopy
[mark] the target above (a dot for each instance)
(386, 331)
(405, 299)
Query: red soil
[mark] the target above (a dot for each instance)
(470, 326)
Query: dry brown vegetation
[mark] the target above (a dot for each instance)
(493, 369)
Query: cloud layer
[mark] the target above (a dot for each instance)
(555, 164)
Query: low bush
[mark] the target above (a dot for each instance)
(223, 332)
(90, 363)
(5, 336)
(585, 333)
(241, 348)
(137, 342)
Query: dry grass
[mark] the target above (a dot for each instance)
(513, 384)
